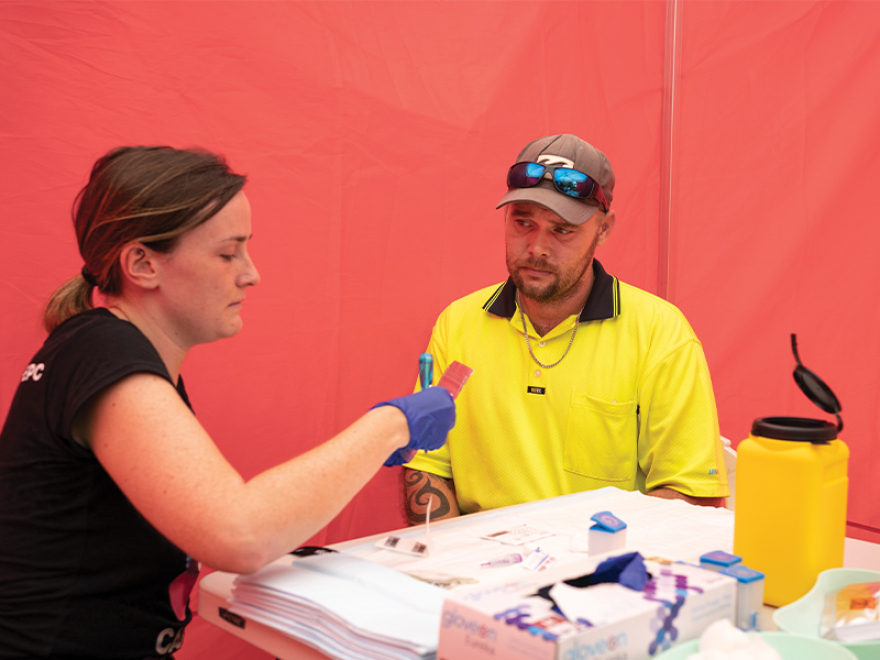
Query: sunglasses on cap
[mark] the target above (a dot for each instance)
(567, 181)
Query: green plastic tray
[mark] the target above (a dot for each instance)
(803, 615)
(790, 647)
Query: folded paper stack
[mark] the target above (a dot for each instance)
(347, 608)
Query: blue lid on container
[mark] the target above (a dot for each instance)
(720, 558)
(607, 522)
(743, 573)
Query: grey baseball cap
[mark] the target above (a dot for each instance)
(570, 151)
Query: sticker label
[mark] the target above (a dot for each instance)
(234, 619)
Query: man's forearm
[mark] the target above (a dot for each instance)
(670, 494)
(419, 488)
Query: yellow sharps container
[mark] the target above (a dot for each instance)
(791, 490)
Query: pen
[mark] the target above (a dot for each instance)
(426, 370)
(426, 375)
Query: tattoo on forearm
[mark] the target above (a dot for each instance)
(419, 487)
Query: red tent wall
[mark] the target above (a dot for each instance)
(772, 231)
(376, 136)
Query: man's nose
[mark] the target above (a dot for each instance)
(539, 246)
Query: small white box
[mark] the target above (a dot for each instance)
(602, 540)
(608, 534)
(749, 596)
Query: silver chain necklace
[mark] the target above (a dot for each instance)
(522, 317)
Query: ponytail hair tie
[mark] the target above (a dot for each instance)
(88, 277)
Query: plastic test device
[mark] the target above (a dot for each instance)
(609, 533)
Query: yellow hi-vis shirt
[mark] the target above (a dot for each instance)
(631, 404)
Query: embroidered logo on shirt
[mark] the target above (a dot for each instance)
(536, 390)
(33, 372)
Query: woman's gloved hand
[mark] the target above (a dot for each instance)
(430, 415)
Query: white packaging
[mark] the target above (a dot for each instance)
(510, 622)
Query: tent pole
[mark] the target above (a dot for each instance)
(669, 147)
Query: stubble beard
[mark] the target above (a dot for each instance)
(561, 286)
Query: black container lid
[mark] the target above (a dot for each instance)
(804, 429)
(798, 429)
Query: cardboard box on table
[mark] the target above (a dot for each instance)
(509, 622)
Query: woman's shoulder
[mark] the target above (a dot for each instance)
(98, 332)
(99, 320)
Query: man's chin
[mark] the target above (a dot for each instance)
(538, 294)
(542, 292)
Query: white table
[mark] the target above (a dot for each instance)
(656, 526)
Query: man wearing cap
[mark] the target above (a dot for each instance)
(580, 381)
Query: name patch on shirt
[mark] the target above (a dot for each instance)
(536, 390)
(234, 619)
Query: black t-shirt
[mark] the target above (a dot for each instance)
(82, 573)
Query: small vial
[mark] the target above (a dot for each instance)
(749, 595)
(506, 560)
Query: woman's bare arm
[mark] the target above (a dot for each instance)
(170, 469)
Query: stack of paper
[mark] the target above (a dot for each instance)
(346, 607)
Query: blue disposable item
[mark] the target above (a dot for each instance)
(430, 414)
(717, 560)
(627, 569)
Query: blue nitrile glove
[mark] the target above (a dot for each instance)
(430, 415)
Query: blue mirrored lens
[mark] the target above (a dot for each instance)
(525, 175)
(572, 183)
(534, 170)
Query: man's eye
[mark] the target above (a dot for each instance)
(228, 257)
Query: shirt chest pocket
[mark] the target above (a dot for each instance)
(601, 439)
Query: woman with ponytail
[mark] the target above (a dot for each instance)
(111, 492)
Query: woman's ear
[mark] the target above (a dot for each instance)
(138, 266)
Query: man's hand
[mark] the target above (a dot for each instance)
(418, 487)
(669, 494)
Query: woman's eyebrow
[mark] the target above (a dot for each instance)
(237, 239)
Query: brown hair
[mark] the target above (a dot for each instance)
(151, 195)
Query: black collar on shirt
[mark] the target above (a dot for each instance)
(602, 303)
